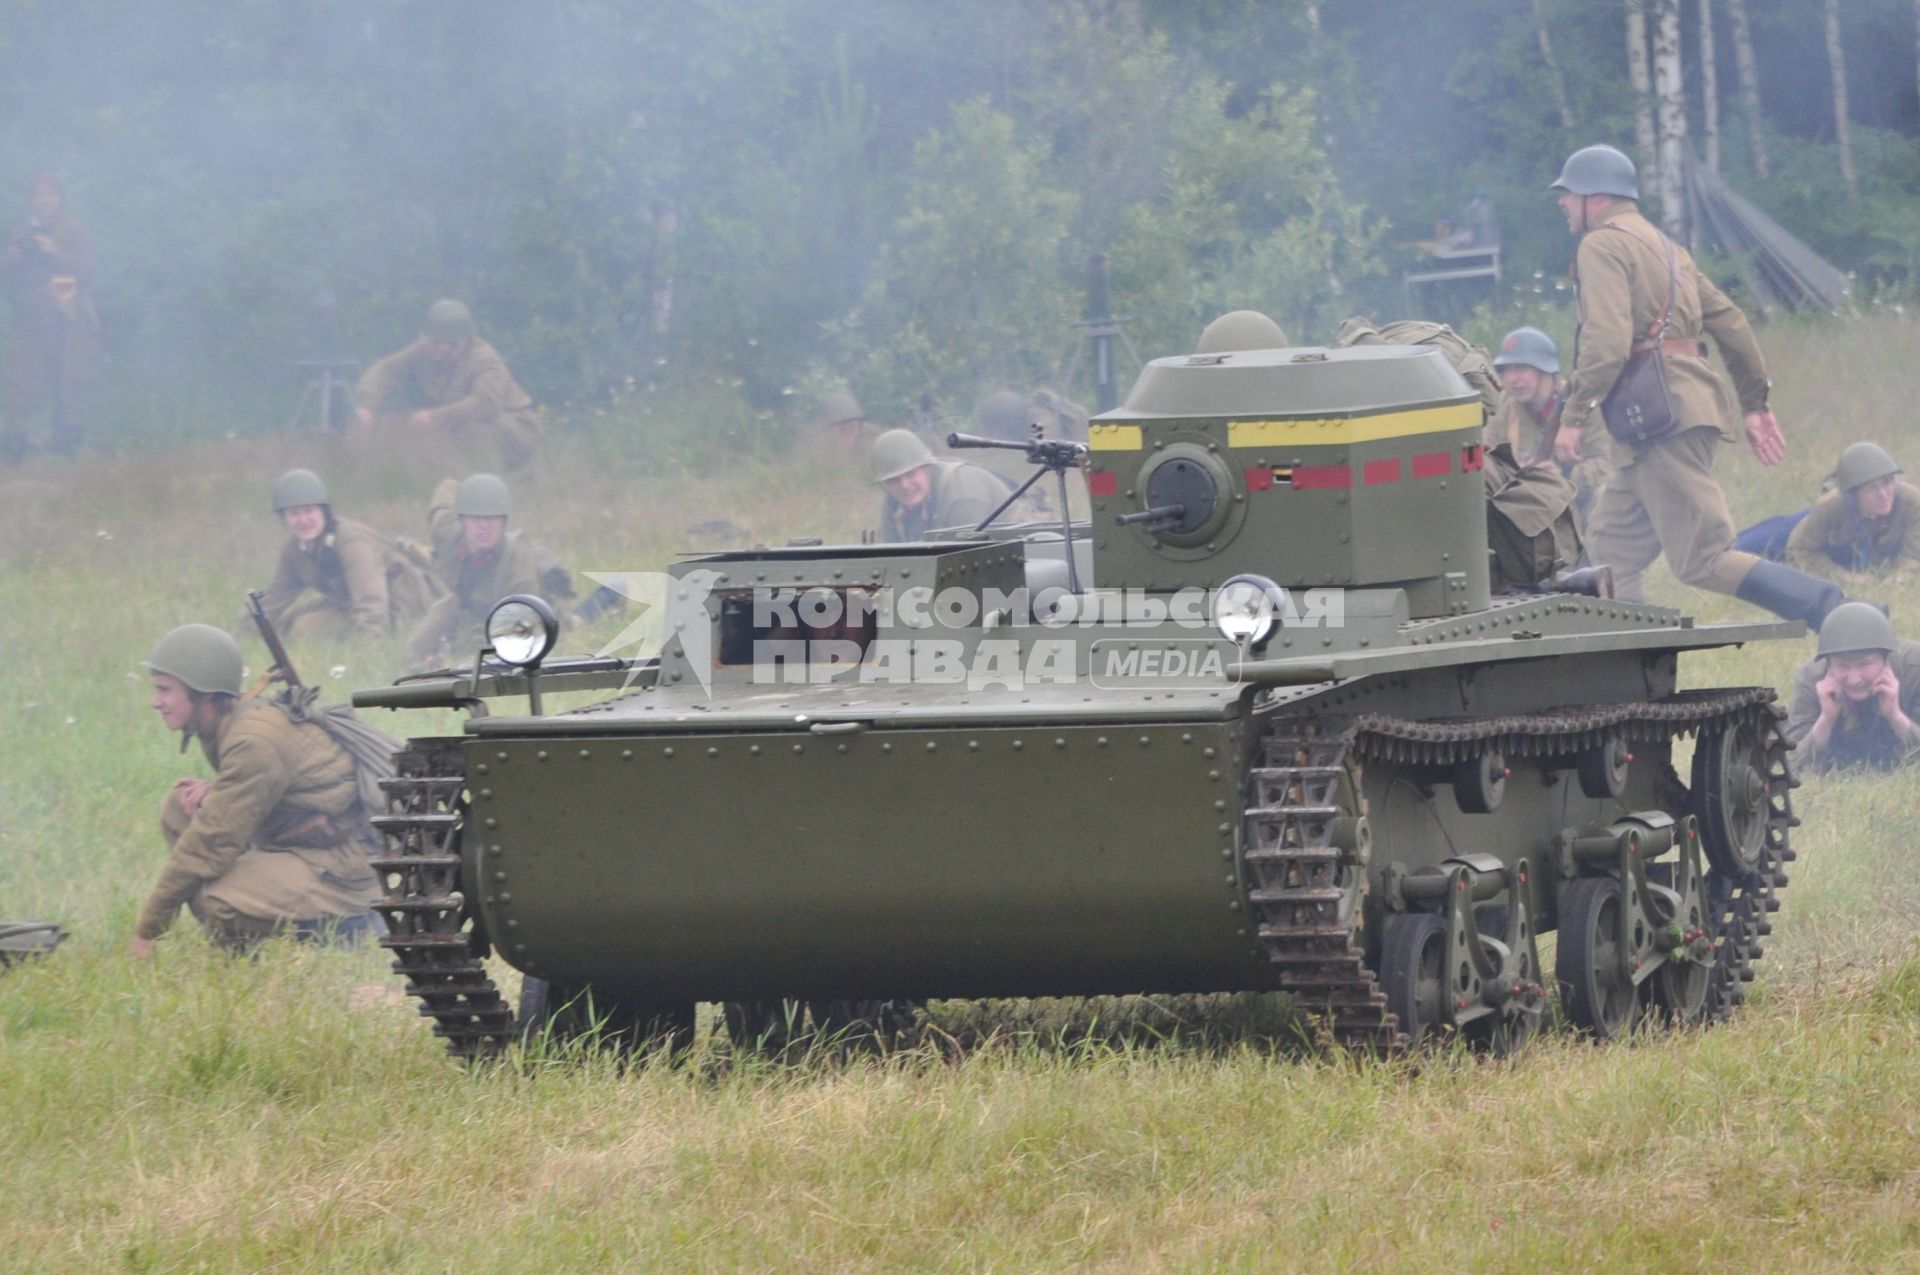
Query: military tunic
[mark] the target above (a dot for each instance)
(1531, 436)
(1862, 736)
(474, 582)
(959, 495)
(53, 330)
(1662, 497)
(280, 836)
(1834, 536)
(351, 578)
(472, 396)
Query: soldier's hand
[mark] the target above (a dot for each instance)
(421, 420)
(1566, 447)
(1886, 697)
(1769, 444)
(192, 793)
(142, 949)
(1828, 689)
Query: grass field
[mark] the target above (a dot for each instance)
(291, 1113)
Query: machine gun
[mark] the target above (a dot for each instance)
(282, 668)
(1052, 456)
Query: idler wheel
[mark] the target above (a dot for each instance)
(1413, 958)
(1480, 783)
(1597, 996)
(570, 1013)
(1737, 774)
(1603, 770)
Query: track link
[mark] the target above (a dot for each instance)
(1305, 795)
(427, 924)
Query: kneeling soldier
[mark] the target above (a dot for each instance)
(278, 839)
(477, 559)
(336, 575)
(1855, 701)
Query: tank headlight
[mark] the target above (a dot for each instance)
(1246, 609)
(521, 629)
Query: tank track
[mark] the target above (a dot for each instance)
(1305, 905)
(427, 923)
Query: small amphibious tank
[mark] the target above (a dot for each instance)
(1259, 725)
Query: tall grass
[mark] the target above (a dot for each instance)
(291, 1112)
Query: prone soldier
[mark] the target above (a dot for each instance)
(1870, 522)
(278, 839)
(1856, 701)
(336, 576)
(453, 382)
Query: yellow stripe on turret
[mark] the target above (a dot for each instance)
(1115, 438)
(1359, 429)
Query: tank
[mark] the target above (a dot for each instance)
(1259, 725)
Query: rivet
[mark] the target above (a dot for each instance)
(1101, 741)
(484, 793)
(1219, 805)
(933, 746)
(541, 755)
(505, 897)
(1233, 880)
(519, 947)
(667, 751)
(713, 752)
(886, 748)
(1209, 752)
(973, 745)
(499, 876)
(1019, 744)
(1186, 737)
(1227, 852)
(482, 768)
(753, 751)
(512, 924)
(497, 848)
(1059, 743)
(1146, 741)
(586, 752)
(1226, 829)
(1231, 907)
(501, 756)
(626, 754)
(491, 822)
(799, 748)
(1213, 775)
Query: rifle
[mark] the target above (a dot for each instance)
(282, 669)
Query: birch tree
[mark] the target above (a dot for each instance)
(1642, 83)
(1842, 128)
(1669, 87)
(1710, 87)
(1554, 77)
(1749, 73)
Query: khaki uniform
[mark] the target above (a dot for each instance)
(1530, 521)
(53, 330)
(352, 579)
(1531, 436)
(280, 836)
(472, 396)
(474, 582)
(1664, 496)
(1859, 738)
(1833, 537)
(961, 494)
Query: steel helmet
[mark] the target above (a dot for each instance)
(1003, 415)
(449, 320)
(897, 452)
(1861, 463)
(1856, 626)
(201, 657)
(839, 406)
(1241, 330)
(298, 487)
(483, 496)
(1528, 347)
(1598, 170)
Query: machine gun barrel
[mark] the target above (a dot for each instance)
(1160, 513)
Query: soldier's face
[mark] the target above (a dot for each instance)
(911, 488)
(306, 522)
(443, 351)
(1857, 672)
(1874, 499)
(1573, 207)
(172, 700)
(482, 534)
(1528, 384)
(45, 201)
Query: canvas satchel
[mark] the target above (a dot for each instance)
(1638, 410)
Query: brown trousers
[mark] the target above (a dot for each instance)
(1667, 500)
(265, 891)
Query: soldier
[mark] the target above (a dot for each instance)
(53, 339)
(477, 560)
(1871, 521)
(1855, 702)
(1528, 366)
(842, 422)
(1639, 292)
(924, 494)
(451, 381)
(337, 576)
(278, 839)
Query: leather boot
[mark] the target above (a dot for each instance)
(1790, 594)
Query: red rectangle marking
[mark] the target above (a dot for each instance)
(1432, 464)
(1321, 477)
(1376, 472)
(1103, 482)
(1259, 478)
